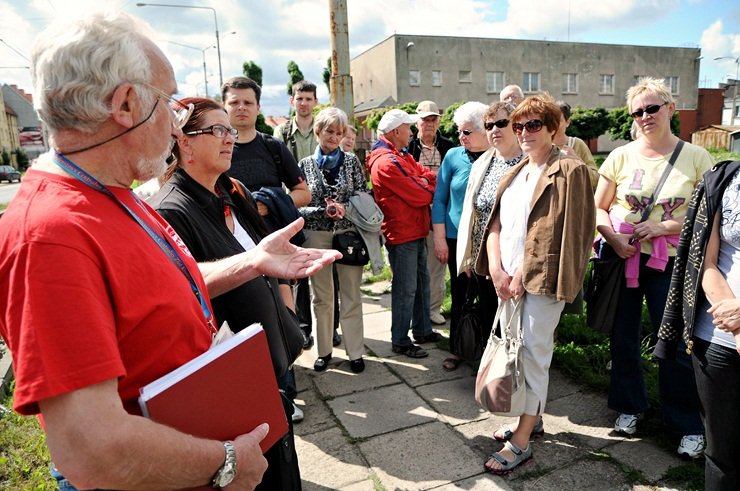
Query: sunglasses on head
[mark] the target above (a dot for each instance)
(532, 126)
(501, 123)
(465, 132)
(651, 109)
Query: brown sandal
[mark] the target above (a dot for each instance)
(450, 364)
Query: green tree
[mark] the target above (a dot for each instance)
(294, 75)
(621, 124)
(326, 75)
(371, 122)
(5, 156)
(447, 125)
(22, 158)
(262, 126)
(588, 123)
(253, 71)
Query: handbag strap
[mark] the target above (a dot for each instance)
(507, 329)
(663, 177)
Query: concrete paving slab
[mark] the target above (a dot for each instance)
(421, 457)
(478, 435)
(586, 416)
(453, 400)
(588, 474)
(650, 459)
(483, 482)
(329, 461)
(317, 416)
(378, 411)
(372, 304)
(339, 380)
(428, 370)
(377, 325)
(560, 386)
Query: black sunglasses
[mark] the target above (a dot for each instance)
(217, 130)
(651, 109)
(501, 123)
(532, 126)
(465, 132)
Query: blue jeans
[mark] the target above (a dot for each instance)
(627, 392)
(717, 371)
(409, 291)
(62, 483)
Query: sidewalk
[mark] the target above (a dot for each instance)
(407, 424)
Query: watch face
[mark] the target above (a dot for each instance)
(225, 477)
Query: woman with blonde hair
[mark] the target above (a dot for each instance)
(627, 184)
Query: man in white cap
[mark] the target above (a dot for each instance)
(404, 189)
(429, 148)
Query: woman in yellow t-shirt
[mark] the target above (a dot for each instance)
(627, 180)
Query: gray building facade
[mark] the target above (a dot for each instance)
(446, 70)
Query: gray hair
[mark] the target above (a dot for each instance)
(76, 66)
(330, 116)
(470, 112)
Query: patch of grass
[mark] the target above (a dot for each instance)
(632, 475)
(690, 476)
(384, 275)
(719, 154)
(24, 458)
(377, 485)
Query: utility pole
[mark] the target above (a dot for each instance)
(341, 81)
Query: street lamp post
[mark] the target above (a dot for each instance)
(203, 52)
(734, 92)
(215, 20)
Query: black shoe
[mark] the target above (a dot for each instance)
(432, 337)
(412, 351)
(307, 340)
(322, 363)
(336, 340)
(357, 365)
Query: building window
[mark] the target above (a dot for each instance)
(465, 77)
(414, 78)
(531, 82)
(494, 82)
(672, 82)
(636, 79)
(570, 83)
(436, 78)
(606, 83)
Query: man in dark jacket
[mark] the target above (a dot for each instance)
(429, 148)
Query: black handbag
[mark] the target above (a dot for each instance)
(352, 247)
(468, 339)
(602, 292)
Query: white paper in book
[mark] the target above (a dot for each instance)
(166, 381)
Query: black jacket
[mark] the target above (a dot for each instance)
(197, 215)
(685, 293)
(443, 145)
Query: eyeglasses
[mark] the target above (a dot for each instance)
(465, 132)
(532, 126)
(217, 130)
(501, 123)
(180, 111)
(651, 109)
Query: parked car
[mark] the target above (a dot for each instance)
(9, 173)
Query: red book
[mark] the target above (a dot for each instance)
(227, 391)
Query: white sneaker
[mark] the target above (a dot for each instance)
(437, 318)
(297, 414)
(626, 424)
(692, 446)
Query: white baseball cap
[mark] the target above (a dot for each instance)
(395, 118)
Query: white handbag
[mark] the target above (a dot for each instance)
(499, 386)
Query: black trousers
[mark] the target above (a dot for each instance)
(717, 372)
(283, 472)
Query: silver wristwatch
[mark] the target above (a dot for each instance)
(227, 472)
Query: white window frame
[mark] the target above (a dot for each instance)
(465, 76)
(495, 82)
(436, 78)
(670, 83)
(530, 82)
(603, 78)
(414, 78)
(567, 79)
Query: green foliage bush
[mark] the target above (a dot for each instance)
(588, 123)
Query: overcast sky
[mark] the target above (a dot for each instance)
(274, 32)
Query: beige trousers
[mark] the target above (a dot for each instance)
(437, 270)
(540, 317)
(350, 302)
